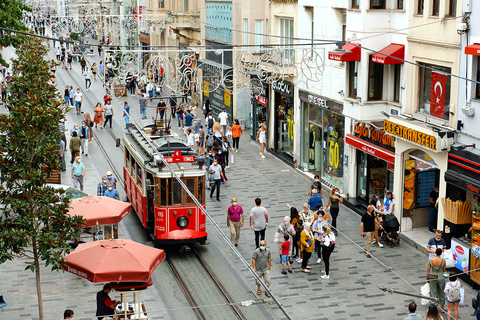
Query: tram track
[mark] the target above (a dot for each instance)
(194, 301)
(177, 274)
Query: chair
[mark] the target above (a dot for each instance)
(2, 302)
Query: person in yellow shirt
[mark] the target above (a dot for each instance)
(307, 242)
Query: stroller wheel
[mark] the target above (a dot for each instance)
(397, 243)
(390, 245)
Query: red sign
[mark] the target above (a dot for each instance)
(459, 250)
(140, 9)
(177, 157)
(472, 188)
(370, 148)
(261, 99)
(438, 94)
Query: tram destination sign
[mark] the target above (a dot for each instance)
(177, 157)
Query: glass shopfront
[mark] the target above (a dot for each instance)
(284, 118)
(260, 111)
(323, 138)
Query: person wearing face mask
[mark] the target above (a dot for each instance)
(261, 264)
(74, 146)
(216, 171)
(328, 246)
(102, 187)
(235, 221)
(84, 137)
(112, 193)
(306, 245)
(78, 172)
(319, 234)
(285, 228)
(111, 179)
(316, 185)
(334, 202)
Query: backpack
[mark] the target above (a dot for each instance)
(210, 122)
(475, 302)
(210, 140)
(455, 293)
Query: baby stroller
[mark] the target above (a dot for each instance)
(389, 233)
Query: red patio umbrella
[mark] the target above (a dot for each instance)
(99, 210)
(119, 260)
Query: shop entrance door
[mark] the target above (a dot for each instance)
(362, 176)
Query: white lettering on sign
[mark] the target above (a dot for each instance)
(281, 86)
(368, 150)
(378, 60)
(177, 157)
(317, 101)
(333, 56)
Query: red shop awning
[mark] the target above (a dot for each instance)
(349, 52)
(388, 54)
(370, 148)
(473, 49)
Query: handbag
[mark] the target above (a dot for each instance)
(448, 256)
(277, 235)
(231, 158)
(425, 290)
(99, 114)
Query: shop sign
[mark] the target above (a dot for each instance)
(370, 133)
(143, 38)
(284, 87)
(473, 188)
(226, 98)
(261, 99)
(312, 99)
(206, 89)
(411, 135)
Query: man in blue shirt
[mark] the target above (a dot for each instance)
(315, 201)
(412, 312)
(102, 187)
(78, 172)
(112, 193)
(188, 120)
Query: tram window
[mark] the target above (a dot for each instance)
(127, 159)
(133, 171)
(163, 192)
(176, 192)
(139, 176)
(190, 182)
(201, 190)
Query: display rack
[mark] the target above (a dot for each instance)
(474, 261)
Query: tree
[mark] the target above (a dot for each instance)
(11, 16)
(34, 223)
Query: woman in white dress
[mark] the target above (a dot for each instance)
(262, 138)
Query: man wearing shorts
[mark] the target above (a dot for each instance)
(78, 101)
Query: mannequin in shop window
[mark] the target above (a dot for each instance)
(312, 144)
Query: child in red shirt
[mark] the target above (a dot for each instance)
(285, 249)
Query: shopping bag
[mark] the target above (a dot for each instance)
(277, 235)
(231, 158)
(425, 290)
(448, 256)
(462, 295)
(229, 134)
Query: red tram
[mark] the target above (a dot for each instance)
(159, 200)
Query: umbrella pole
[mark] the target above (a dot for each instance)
(139, 310)
(112, 232)
(125, 306)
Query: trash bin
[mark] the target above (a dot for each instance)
(242, 123)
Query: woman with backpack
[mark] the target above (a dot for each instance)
(435, 270)
(452, 292)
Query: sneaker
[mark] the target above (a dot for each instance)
(260, 153)
(323, 271)
(284, 272)
(290, 270)
(236, 151)
(227, 167)
(263, 157)
(319, 260)
(368, 255)
(373, 242)
(380, 245)
(299, 260)
(325, 277)
(236, 244)
(308, 267)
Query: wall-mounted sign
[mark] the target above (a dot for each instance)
(206, 89)
(320, 101)
(226, 98)
(411, 135)
(261, 99)
(284, 87)
(369, 132)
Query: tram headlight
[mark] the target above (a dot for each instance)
(182, 222)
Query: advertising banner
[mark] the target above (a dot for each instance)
(461, 255)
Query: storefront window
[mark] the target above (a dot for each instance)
(333, 144)
(435, 91)
(312, 142)
(285, 123)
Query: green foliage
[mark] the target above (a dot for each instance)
(74, 35)
(11, 18)
(33, 223)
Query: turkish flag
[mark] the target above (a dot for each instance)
(438, 94)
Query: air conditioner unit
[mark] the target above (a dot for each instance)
(467, 6)
(469, 111)
(462, 26)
